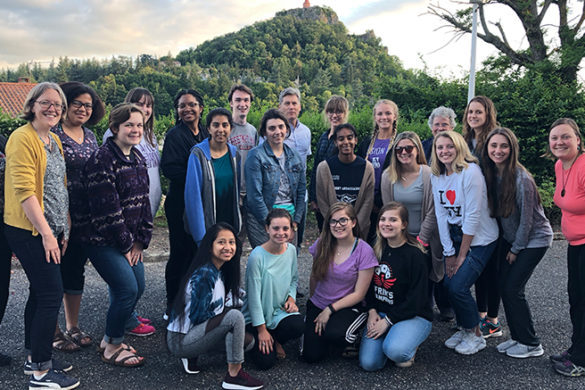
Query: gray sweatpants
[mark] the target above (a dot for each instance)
(196, 342)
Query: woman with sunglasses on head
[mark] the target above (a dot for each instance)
(399, 317)
(468, 233)
(270, 309)
(275, 178)
(375, 149)
(85, 108)
(336, 112)
(200, 322)
(37, 228)
(346, 177)
(408, 180)
(479, 118)
(514, 200)
(144, 99)
(343, 266)
(188, 132)
(566, 145)
(120, 228)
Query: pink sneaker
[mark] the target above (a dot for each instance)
(142, 330)
(143, 320)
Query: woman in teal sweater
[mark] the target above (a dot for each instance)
(270, 309)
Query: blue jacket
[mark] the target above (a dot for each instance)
(200, 196)
(262, 173)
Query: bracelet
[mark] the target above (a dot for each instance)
(330, 306)
(387, 319)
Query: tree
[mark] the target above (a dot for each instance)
(561, 54)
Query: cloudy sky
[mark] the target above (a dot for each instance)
(40, 30)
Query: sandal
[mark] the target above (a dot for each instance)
(123, 362)
(101, 349)
(64, 344)
(79, 337)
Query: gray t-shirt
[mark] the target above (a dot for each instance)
(411, 197)
(284, 195)
(244, 138)
(55, 196)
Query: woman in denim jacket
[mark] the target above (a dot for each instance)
(266, 186)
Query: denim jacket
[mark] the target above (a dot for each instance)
(262, 173)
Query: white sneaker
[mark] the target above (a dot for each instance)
(522, 351)
(454, 340)
(470, 344)
(502, 347)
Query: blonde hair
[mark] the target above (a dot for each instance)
(394, 170)
(394, 108)
(462, 159)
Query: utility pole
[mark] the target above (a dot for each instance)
(471, 88)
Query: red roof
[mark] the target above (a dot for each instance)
(12, 97)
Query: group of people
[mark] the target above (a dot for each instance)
(403, 223)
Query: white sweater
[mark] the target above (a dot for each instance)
(461, 199)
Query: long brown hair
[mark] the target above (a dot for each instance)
(502, 205)
(490, 123)
(134, 96)
(327, 243)
(381, 242)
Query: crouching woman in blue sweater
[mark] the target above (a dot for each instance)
(200, 320)
(399, 317)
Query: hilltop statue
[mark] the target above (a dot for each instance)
(306, 4)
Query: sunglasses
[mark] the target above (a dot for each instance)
(408, 149)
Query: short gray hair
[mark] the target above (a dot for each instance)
(445, 112)
(289, 91)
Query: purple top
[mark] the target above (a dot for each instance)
(76, 155)
(341, 278)
(377, 157)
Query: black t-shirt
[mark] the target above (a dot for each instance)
(399, 285)
(347, 178)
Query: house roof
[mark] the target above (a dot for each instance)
(12, 97)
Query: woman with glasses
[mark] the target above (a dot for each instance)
(84, 109)
(343, 266)
(346, 177)
(37, 228)
(336, 112)
(408, 180)
(188, 132)
(375, 148)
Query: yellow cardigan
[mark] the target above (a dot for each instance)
(26, 162)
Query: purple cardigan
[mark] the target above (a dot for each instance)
(119, 205)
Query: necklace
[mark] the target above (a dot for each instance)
(567, 178)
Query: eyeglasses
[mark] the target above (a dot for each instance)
(331, 113)
(45, 104)
(190, 105)
(408, 149)
(78, 104)
(341, 221)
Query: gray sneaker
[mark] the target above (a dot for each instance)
(522, 351)
(471, 343)
(454, 340)
(503, 347)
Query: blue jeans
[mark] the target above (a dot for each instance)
(399, 344)
(125, 283)
(459, 286)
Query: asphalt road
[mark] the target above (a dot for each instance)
(436, 367)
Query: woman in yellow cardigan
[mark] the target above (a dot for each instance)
(37, 227)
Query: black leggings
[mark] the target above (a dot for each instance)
(5, 258)
(336, 333)
(487, 291)
(289, 328)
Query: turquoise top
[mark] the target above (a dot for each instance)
(270, 280)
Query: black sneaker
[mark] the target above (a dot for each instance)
(241, 381)
(5, 360)
(568, 368)
(190, 365)
(560, 357)
(57, 366)
(57, 380)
